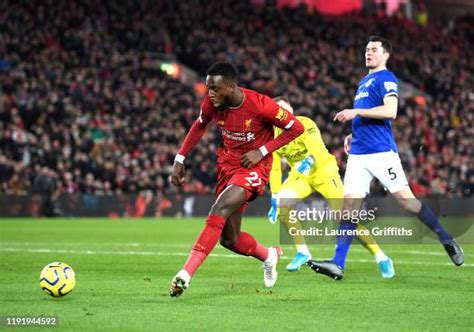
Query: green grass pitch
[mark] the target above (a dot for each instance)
(124, 268)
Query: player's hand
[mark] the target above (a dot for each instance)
(177, 174)
(347, 143)
(345, 115)
(304, 166)
(273, 214)
(251, 158)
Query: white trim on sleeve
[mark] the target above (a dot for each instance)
(179, 158)
(391, 94)
(263, 150)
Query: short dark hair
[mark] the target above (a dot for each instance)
(385, 43)
(225, 69)
(281, 98)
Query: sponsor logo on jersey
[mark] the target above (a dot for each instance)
(298, 155)
(360, 95)
(390, 86)
(238, 136)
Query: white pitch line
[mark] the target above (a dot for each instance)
(153, 253)
(102, 244)
(413, 252)
(188, 246)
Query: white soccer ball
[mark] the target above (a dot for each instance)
(57, 279)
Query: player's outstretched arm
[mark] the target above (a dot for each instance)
(387, 111)
(280, 118)
(194, 135)
(252, 158)
(292, 130)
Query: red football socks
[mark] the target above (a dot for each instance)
(204, 244)
(247, 245)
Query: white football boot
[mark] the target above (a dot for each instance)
(270, 273)
(180, 283)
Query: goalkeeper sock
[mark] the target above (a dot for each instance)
(369, 243)
(380, 256)
(246, 245)
(204, 244)
(343, 242)
(303, 248)
(427, 216)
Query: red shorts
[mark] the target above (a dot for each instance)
(253, 180)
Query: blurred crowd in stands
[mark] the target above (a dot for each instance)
(84, 105)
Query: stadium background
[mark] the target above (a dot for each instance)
(96, 96)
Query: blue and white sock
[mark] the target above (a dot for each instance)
(343, 242)
(427, 216)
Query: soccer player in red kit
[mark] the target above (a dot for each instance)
(244, 160)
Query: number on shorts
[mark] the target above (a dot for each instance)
(253, 179)
(393, 175)
(335, 184)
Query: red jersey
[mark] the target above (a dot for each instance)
(246, 127)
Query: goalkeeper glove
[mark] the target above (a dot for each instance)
(273, 213)
(304, 166)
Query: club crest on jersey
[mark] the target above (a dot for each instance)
(390, 86)
(369, 82)
(248, 123)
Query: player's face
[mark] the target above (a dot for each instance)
(219, 90)
(375, 56)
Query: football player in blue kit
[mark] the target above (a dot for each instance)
(374, 153)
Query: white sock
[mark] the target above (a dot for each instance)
(380, 256)
(184, 275)
(303, 248)
(272, 254)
